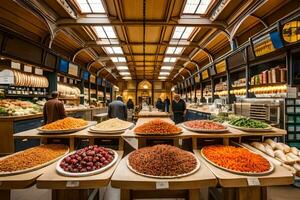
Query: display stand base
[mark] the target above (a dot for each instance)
(76, 194)
(5, 194)
(193, 194)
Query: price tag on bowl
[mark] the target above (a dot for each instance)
(253, 181)
(162, 185)
(72, 184)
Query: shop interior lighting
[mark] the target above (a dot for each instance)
(90, 6)
(196, 6)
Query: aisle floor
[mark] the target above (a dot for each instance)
(274, 193)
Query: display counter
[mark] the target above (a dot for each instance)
(203, 112)
(15, 124)
(154, 113)
(135, 186)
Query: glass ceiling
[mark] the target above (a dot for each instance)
(196, 6)
(90, 6)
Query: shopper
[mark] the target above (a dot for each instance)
(53, 109)
(179, 109)
(159, 104)
(167, 104)
(130, 104)
(117, 109)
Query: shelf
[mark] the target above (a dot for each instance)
(265, 85)
(25, 95)
(239, 87)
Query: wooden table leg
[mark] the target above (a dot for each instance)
(121, 143)
(91, 141)
(70, 194)
(228, 193)
(226, 141)
(5, 194)
(71, 143)
(141, 142)
(249, 193)
(125, 194)
(194, 194)
(195, 143)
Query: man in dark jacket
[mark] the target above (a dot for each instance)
(117, 109)
(53, 109)
(179, 109)
(167, 104)
(130, 104)
(159, 104)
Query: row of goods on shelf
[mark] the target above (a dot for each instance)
(277, 74)
(207, 91)
(66, 91)
(221, 89)
(270, 91)
(239, 83)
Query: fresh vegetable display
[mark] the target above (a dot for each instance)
(237, 159)
(204, 125)
(248, 123)
(157, 127)
(162, 161)
(14, 107)
(87, 159)
(32, 157)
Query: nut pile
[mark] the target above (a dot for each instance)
(162, 160)
(65, 124)
(157, 127)
(32, 157)
(87, 159)
(204, 124)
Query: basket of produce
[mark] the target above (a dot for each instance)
(162, 161)
(157, 127)
(250, 125)
(205, 126)
(112, 126)
(87, 161)
(31, 159)
(237, 160)
(66, 125)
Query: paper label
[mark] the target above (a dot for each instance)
(15, 65)
(292, 92)
(162, 185)
(27, 68)
(253, 181)
(38, 71)
(72, 184)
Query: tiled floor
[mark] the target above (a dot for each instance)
(274, 193)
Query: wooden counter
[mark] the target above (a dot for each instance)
(34, 133)
(15, 124)
(136, 186)
(240, 184)
(64, 187)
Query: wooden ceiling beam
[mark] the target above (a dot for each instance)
(104, 21)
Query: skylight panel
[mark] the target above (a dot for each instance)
(105, 32)
(187, 32)
(172, 59)
(170, 50)
(118, 50)
(127, 77)
(122, 59)
(114, 59)
(124, 73)
(118, 59)
(167, 59)
(109, 50)
(162, 77)
(203, 6)
(90, 6)
(167, 68)
(122, 68)
(196, 6)
(178, 32)
(164, 73)
(178, 50)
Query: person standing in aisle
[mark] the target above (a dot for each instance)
(53, 109)
(167, 104)
(159, 104)
(117, 109)
(130, 104)
(179, 109)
